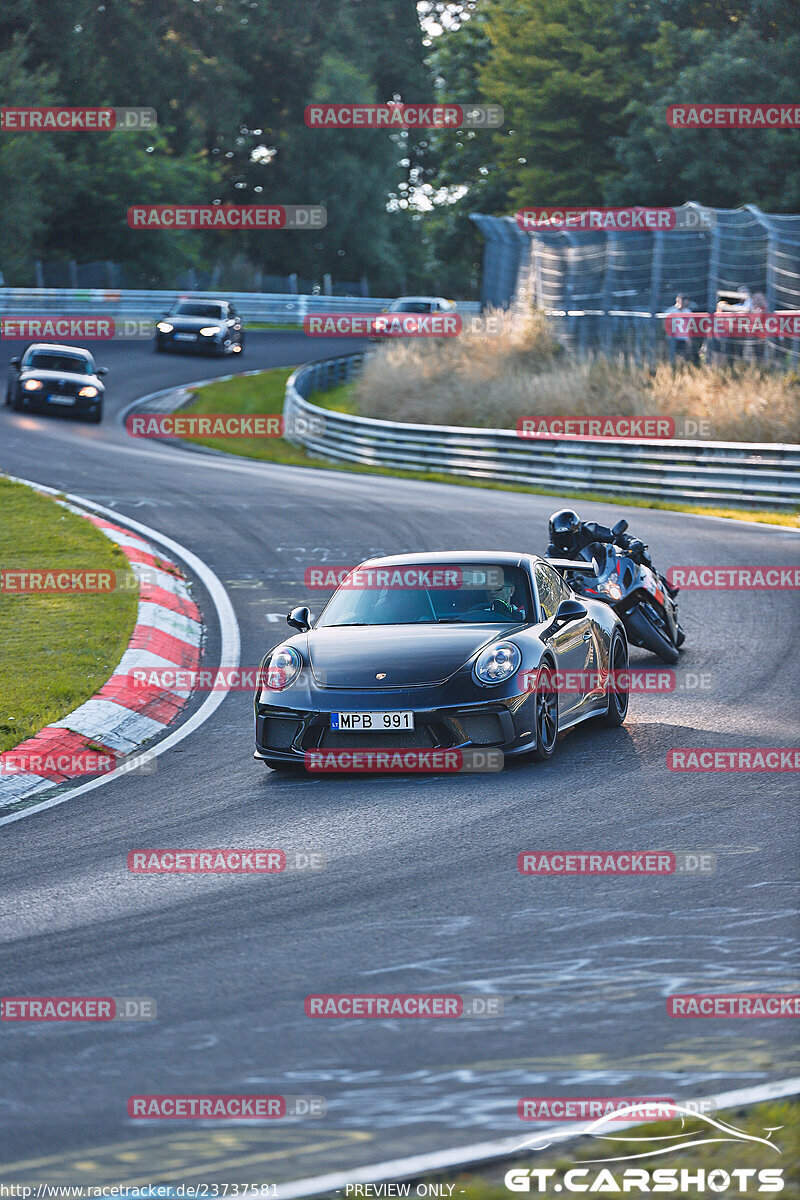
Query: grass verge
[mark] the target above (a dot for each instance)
(264, 393)
(728, 1156)
(56, 651)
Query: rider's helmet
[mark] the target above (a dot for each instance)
(563, 524)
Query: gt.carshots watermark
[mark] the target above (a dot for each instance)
(75, 120)
(614, 220)
(616, 862)
(412, 1005)
(412, 578)
(735, 579)
(734, 116)
(734, 758)
(223, 1108)
(222, 425)
(77, 1008)
(390, 759)
(224, 861)
(736, 1004)
(733, 325)
(403, 116)
(228, 216)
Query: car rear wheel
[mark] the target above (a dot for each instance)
(546, 714)
(617, 700)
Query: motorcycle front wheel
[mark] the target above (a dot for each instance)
(645, 634)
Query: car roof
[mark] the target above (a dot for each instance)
(443, 299)
(77, 350)
(504, 558)
(200, 300)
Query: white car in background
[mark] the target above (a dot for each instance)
(415, 304)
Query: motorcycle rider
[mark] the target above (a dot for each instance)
(569, 535)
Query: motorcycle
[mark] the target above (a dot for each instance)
(632, 589)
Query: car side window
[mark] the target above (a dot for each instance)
(551, 588)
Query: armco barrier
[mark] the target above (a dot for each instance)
(762, 475)
(252, 306)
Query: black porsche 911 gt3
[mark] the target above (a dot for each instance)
(435, 651)
(52, 378)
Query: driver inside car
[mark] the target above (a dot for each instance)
(569, 535)
(501, 600)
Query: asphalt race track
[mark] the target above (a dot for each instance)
(421, 890)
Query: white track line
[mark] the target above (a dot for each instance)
(419, 1165)
(230, 645)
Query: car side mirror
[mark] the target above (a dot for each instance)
(300, 619)
(568, 610)
(15, 361)
(101, 371)
(619, 528)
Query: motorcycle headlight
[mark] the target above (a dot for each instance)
(164, 327)
(88, 391)
(612, 589)
(210, 330)
(32, 385)
(497, 663)
(284, 667)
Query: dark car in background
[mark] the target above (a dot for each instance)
(204, 326)
(52, 378)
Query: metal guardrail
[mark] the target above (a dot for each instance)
(756, 475)
(252, 306)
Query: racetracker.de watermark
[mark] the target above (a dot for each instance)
(222, 425)
(618, 427)
(591, 1108)
(228, 216)
(59, 765)
(733, 325)
(736, 1004)
(403, 116)
(66, 581)
(224, 861)
(734, 116)
(615, 220)
(735, 579)
(412, 1005)
(51, 119)
(75, 329)
(425, 325)
(77, 1008)
(223, 1108)
(389, 759)
(631, 680)
(616, 862)
(403, 579)
(734, 758)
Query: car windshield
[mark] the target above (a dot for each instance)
(46, 360)
(425, 594)
(413, 306)
(193, 308)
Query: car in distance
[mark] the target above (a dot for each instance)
(412, 304)
(403, 658)
(49, 378)
(207, 326)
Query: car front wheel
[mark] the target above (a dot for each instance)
(546, 701)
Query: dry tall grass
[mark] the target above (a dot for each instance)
(493, 380)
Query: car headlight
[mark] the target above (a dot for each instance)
(284, 667)
(88, 391)
(32, 385)
(164, 327)
(497, 663)
(210, 330)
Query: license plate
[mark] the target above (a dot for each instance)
(53, 399)
(185, 337)
(386, 722)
